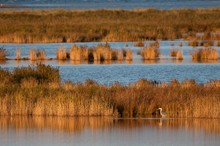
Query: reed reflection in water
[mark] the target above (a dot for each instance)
(108, 131)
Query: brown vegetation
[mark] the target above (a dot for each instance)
(139, 44)
(150, 53)
(2, 54)
(45, 26)
(176, 54)
(18, 54)
(128, 55)
(204, 54)
(61, 54)
(38, 91)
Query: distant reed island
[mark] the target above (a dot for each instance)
(56, 26)
(38, 91)
(104, 53)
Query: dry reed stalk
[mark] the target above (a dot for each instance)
(32, 55)
(129, 55)
(61, 54)
(75, 53)
(18, 54)
(150, 53)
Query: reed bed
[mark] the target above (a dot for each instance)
(72, 26)
(34, 55)
(38, 91)
(204, 54)
(150, 53)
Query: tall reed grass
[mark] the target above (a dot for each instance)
(204, 54)
(176, 54)
(150, 53)
(72, 25)
(38, 91)
(128, 55)
(75, 53)
(61, 54)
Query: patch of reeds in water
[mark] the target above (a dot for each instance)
(39, 55)
(128, 55)
(150, 53)
(18, 54)
(75, 53)
(2, 54)
(176, 54)
(61, 54)
(204, 54)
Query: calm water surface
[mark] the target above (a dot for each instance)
(111, 4)
(163, 70)
(51, 131)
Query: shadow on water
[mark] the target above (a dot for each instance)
(79, 124)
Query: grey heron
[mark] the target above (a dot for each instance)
(163, 114)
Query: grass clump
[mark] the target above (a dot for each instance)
(150, 53)
(75, 53)
(204, 54)
(61, 54)
(2, 53)
(176, 54)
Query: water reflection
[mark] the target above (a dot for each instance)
(206, 61)
(78, 124)
(56, 131)
(150, 61)
(2, 61)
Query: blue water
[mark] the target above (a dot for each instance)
(124, 72)
(112, 4)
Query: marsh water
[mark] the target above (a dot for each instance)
(93, 131)
(162, 70)
(110, 4)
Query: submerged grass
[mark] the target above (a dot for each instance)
(43, 26)
(38, 91)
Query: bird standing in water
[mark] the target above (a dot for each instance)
(163, 114)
